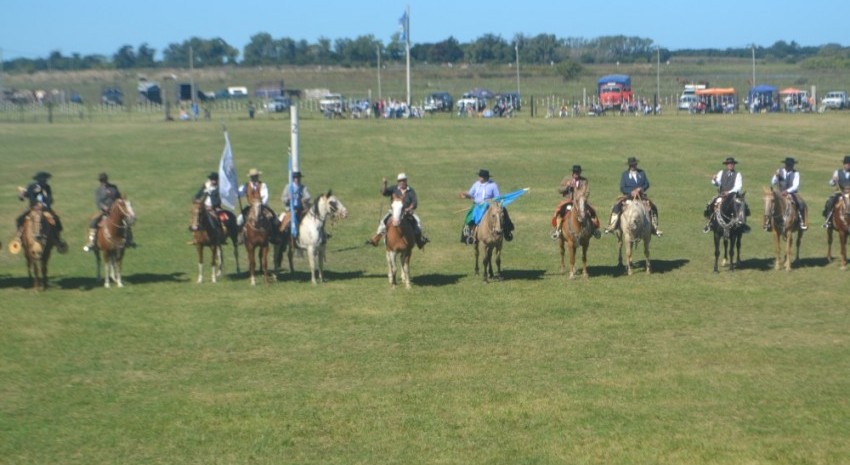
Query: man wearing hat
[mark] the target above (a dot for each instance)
(728, 182)
(409, 204)
(633, 183)
(257, 191)
(297, 196)
(40, 195)
(482, 190)
(210, 196)
(104, 196)
(788, 180)
(567, 189)
(841, 180)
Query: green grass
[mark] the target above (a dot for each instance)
(681, 366)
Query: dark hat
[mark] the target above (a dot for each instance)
(730, 160)
(632, 161)
(576, 168)
(213, 176)
(102, 177)
(484, 173)
(296, 174)
(790, 161)
(846, 159)
(41, 175)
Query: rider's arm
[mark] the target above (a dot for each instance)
(739, 184)
(795, 183)
(834, 179)
(264, 193)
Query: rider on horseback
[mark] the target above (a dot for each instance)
(210, 196)
(729, 183)
(788, 180)
(633, 183)
(257, 191)
(104, 196)
(841, 180)
(298, 197)
(482, 190)
(40, 197)
(409, 204)
(567, 189)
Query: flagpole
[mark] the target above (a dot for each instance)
(407, 49)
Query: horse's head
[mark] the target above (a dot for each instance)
(396, 207)
(329, 205)
(126, 210)
(769, 200)
(580, 200)
(495, 215)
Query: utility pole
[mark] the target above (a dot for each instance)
(192, 75)
(516, 48)
(378, 52)
(657, 78)
(407, 48)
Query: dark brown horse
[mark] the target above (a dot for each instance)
(576, 231)
(258, 231)
(205, 234)
(401, 239)
(38, 239)
(112, 239)
(840, 222)
(727, 224)
(780, 213)
(489, 235)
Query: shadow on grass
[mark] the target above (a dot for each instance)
(528, 275)
(8, 281)
(766, 264)
(435, 280)
(305, 276)
(150, 278)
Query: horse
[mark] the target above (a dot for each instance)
(840, 222)
(205, 235)
(401, 238)
(780, 214)
(489, 234)
(39, 236)
(311, 235)
(727, 224)
(111, 240)
(576, 231)
(635, 226)
(258, 233)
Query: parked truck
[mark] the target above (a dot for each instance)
(614, 90)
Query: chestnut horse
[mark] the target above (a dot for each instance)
(489, 235)
(401, 239)
(840, 222)
(576, 230)
(38, 239)
(111, 240)
(258, 231)
(635, 226)
(780, 213)
(204, 234)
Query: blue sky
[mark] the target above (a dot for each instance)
(34, 28)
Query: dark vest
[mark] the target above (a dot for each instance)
(786, 182)
(727, 181)
(843, 182)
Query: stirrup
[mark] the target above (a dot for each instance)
(555, 234)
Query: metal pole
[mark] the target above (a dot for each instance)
(407, 48)
(378, 52)
(754, 65)
(657, 78)
(516, 47)
(293, 116)
(192, 75)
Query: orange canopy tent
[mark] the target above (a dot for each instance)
(717, 91)
(790, 91)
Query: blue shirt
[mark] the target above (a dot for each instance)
(481, 191)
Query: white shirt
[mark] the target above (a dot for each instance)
(739, 181)
(795, 179)
(835, 176)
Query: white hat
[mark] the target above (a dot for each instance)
(401, 177)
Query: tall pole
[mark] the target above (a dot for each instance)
(293, 117)
(754, 65)
(378, 52)
(192, 74)
(407, 49)
(657, 78)
(516, 48)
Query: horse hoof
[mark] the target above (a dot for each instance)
(572, 276)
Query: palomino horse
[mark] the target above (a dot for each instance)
(489, 234)
(728, 226)
(841, 223)
(258, 232)
(576, 230)
(111, 240)
(311, 235)
(780, 213)
(204, 234)
(401, 239)
(38, 239)
(634, 227)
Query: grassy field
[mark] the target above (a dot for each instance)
(681, 366)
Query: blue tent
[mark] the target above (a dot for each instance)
(761, 97)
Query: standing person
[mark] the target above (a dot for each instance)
(841, 180)
(251, 110)
(482, 190)
(409, 205)
(210, 196)
(633, 183)
(297, 196)
(40, 195)
(257, 191)
(567, 190)
(729, 182)
(788, 180)
(104, 196)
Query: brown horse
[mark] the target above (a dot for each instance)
(576, 231)
(111, 240)
(489, 234)
(780, 215)
(840, 222)
(258, 231)
(401, 239)
(204, 234)
(39, 236)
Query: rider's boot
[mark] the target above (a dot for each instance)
(707, 227)
(804, 220)
(826, 223)
(653, 219)
(90, 240)
(557, 231)
(612, 225)
(421, 240)
(375, 240)
(766, 226)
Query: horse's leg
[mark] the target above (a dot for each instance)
(629, 245)
(646, 253)
(584, 248)
(716, 251)
(620, 250)
(215, 265)
(562, 249)
(777, 242)
(498, 250)
(789, 242)
(251, 261)
(200, 249)
(264, 262)
(390, 256)
(797, 249)
(311, 258)
(405, 268)
(107, 269)
(320, 256)
(476, 258)
(738, 240)
(842, 236)
(119, 257)
(829, 244)
(572, 260)
(289, 256)
(487, 263)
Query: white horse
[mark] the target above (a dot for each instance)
(311, 234)
(635, 226)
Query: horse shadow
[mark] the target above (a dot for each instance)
(527, 275)
(767, 264)
(436, 280)
(148, 278)
(8, 281)
(666, 266)
(306, 276)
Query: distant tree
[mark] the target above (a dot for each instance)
(569, 70)
(489, 48)
(124, 58)
(145, 56)
(447, 51)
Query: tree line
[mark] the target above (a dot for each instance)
(542, 49)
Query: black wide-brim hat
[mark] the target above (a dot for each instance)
(846, 159)
(213, 176)
(790, 161)
(576, 168)
(41, 175)
(730, 160)
(484, 173)
(296, 174)
(632, 161)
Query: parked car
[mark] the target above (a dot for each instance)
(439, 101)
(332, 103)
(112, 96)
(511, 99)
(470, 102)
(278, 105)
(835, 100)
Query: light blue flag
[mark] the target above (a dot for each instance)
(293, 219)
(508, 199)
(227, 179)
(404, 25)
(478, 211)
